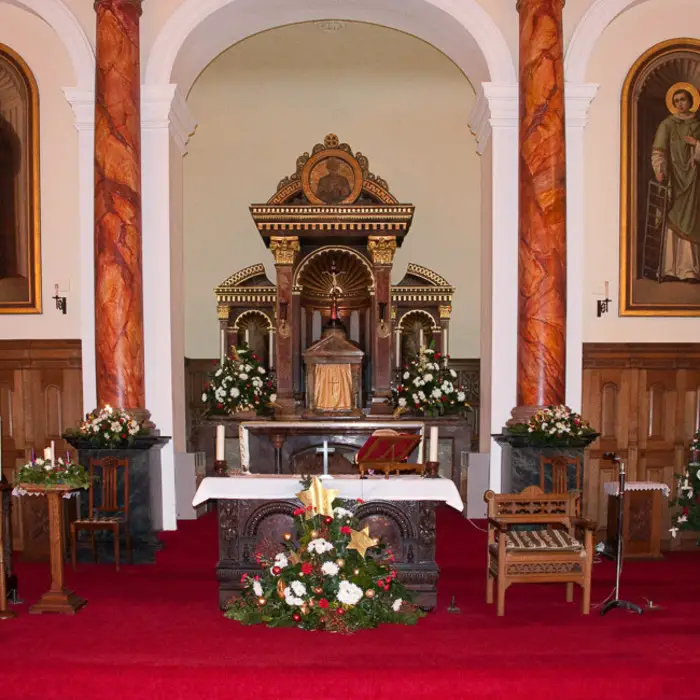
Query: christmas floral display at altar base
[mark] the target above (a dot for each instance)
(109, 428)
(333, 576)
(687, 499)
(240, 383)
(554, 425)
(428, 386)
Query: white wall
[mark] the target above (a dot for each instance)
(45, 55)
(270, 98)
(629, 36)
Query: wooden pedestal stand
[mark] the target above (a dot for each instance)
(57, 599)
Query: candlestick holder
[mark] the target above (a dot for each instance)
(432, 470)
(220, 468)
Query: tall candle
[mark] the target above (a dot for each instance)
(220, 437)
(433, 444)
(397, 361)
(53, 453)
(420, 338)
(222, 349)
(272, 348)
(247, 337)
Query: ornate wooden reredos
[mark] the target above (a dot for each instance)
(333, 228)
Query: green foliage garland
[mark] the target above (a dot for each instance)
(316, 583)
(41, 472)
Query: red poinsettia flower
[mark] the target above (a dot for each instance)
(346, 530)
(306, 568)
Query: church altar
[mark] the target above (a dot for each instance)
(255, 511)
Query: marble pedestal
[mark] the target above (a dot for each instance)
(144, 499)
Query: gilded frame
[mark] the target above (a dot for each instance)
(33, 302)
(630, 303)
(330, 154)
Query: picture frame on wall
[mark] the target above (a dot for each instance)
(660, 182)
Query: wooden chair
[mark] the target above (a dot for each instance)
(549, 554)
(560, 465)
(108, 514)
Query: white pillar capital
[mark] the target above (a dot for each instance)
(578, 97)
(165, 107)
(496, 106)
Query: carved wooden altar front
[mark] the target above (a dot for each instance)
(407, 528)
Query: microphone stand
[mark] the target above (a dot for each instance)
(616, 602)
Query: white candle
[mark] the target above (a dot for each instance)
(220, 437)
(247, 337)
(53, 453)
(433, 444)
(398, 350)
(222, 344)
(420, 338)
(272, 348)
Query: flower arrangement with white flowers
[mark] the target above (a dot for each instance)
(109, 428)
(47, 472)
(320, 582)
(688, 493)
(429, 387)
(241, 383)
(554, 424)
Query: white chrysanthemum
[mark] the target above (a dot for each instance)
(349, 593)
(396, 605)
(461, 396)
(204, 398)
(290, 599)
(402, 402)
(342, 513)
(406, 375)
(453, 374)
(261, 370)
(115, 427)
(299, 588)
(421, 395)
(273, 398)
(218, 372)
(281, 560)
(257, 588)
(235, 392)
(428, 377)
(319, 546)
(436, 392)
(417, 381)
(330, 568)
(243, 375)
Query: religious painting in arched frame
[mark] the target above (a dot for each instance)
(660, 183)
(20, 235)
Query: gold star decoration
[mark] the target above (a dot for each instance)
(361, 541)
(320, 499)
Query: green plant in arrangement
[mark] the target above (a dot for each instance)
(241, 383)
(688, 493)
(332, 576)
(109, 428)
(52, 472)
(554, 425)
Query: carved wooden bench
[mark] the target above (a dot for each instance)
(549, 553)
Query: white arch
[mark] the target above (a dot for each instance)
(462, 29)
(589, 29)
(70, 31)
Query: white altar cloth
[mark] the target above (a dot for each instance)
(268, 487)
(612, 487)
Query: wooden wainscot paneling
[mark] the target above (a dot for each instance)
(644, 398)
(40, 396)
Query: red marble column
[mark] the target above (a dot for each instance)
(542, 210)
(285, 250)
(118, 268)
(381, 249)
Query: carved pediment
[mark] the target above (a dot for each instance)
(334, 348)
(250, 284)
(423, 285)
(331, 175)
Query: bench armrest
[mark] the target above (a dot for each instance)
(584, 523)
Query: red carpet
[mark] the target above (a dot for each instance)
(155, 632)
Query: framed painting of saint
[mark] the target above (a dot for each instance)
(660, 184)
(20, 255)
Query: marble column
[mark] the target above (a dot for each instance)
(542, 210)
(381, 250)
(285, 251)
(119, 336)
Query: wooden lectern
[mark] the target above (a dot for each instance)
(387, 451)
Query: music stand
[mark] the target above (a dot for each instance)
(616, 602)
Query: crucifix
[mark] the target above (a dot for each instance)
(325, 450)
